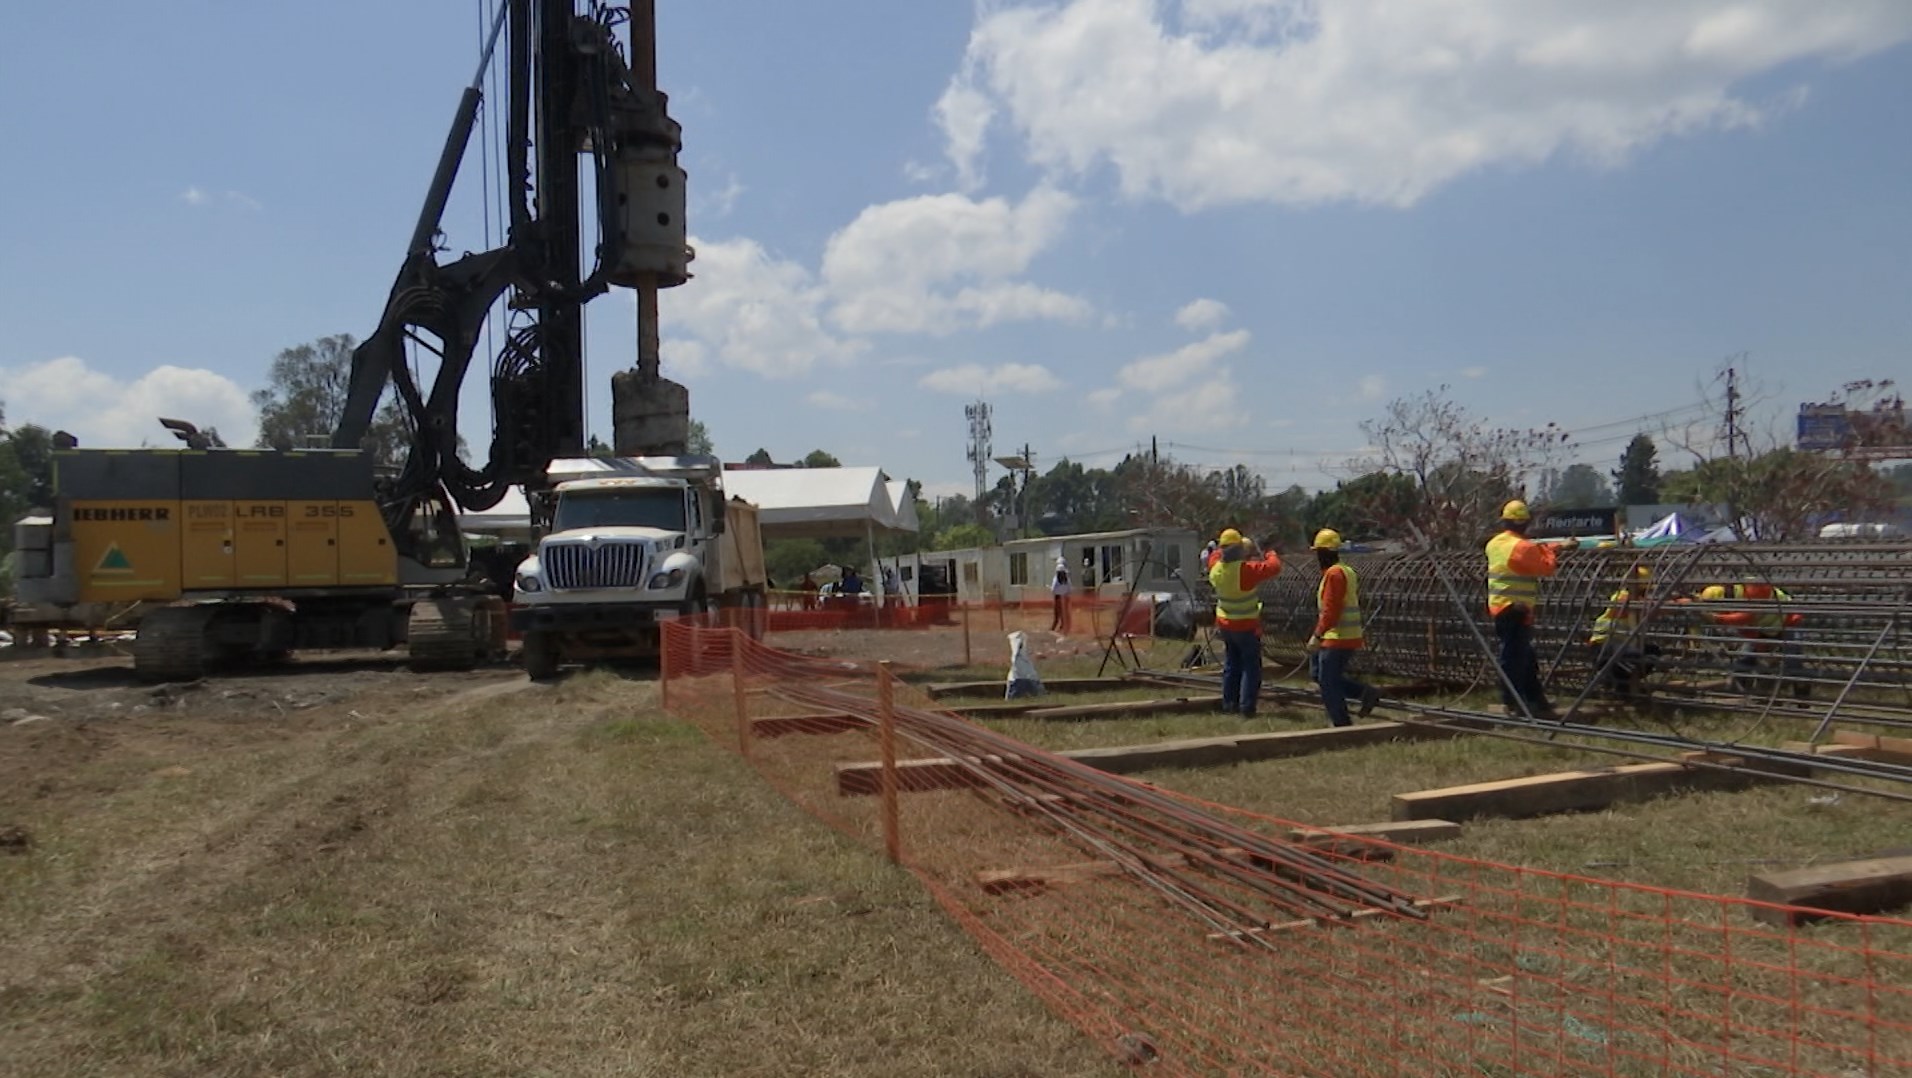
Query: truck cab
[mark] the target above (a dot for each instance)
(632, 541)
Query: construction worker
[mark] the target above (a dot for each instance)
(1234, 576)
(1766, 625)
(1515, 565)
(1613, 633)
(1337, 633)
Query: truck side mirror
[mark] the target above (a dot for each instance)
(717, 521)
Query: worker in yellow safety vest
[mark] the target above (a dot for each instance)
(1614, 640)
(1515, 566)
(1337, 632)
(1234, 575)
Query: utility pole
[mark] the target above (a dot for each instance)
(1732, 414)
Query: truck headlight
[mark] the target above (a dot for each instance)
(526, 582)
(667, 580)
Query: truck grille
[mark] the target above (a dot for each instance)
(571, 566)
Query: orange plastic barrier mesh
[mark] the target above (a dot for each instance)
(1191, 937)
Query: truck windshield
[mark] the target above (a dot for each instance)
(661, 508)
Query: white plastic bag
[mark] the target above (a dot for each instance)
(1023, 679)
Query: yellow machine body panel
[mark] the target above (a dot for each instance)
(155, 524)
(126, 549)
(367, 557)
(312, 544)
(206, 546)
(258, 540)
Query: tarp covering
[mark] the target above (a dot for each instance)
(1671, 528)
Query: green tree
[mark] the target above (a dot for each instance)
(761, 457)
(817, 458)
(1580, 486)
(963, 536)
(788, 559)
(1638, 478)
(304, 400)
(595, 446)
(698, 443)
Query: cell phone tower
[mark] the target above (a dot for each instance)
(978, 416)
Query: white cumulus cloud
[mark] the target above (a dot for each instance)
(939, 263)
(1200, 315)
(1474, 372)
(105, 410)
(1371, 387)
(1207, 102)
(751, 310)
(972, 379)
(1188, 363)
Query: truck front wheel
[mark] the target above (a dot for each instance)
(540, 656)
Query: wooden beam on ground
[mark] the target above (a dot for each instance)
(912, 776)
(937, 773)
(772, 726)
(1353, 840)
(1363, 914)
(860, 778)
(1566, 791)
(1244, 748)
(1178, 705)
(1873, 885)
(1891, 750)
(996, 687)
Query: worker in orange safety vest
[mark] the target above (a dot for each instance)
(1338, 633)
(1515, 566)
(1234, 576)
(1765, 623)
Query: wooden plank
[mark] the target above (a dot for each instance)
(1403, 832)
(1892, 750)
(859, 778)
(1873, 885)
(1363, 914)
(1567, 791)
(772, 726)
(1178, 705)
(934, 773)
(1243, 748)
(996, 687)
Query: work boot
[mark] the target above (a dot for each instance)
(1370, 696)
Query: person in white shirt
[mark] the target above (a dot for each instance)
(1059, 589)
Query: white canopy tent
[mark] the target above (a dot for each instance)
(820, 503)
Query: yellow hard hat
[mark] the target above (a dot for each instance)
(1327, 539)
(1230, 537)
(1714, 592)
(1515, 511)
(1641, 574)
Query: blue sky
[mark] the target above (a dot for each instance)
(1239, 226)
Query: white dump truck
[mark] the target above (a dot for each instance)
(632, 542)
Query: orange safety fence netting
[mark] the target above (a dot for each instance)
(1203, 939)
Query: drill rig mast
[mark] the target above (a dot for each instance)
(570, 92)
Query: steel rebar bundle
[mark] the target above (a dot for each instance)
(1230, 878)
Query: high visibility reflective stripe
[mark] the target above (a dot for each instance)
(1231, 601)
(1603, 627)
(1772, 622)
(1348, 625)
(1504, 586)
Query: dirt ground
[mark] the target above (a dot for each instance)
(344, 868)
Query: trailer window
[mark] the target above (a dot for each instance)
(1018, 569)
(661, 508)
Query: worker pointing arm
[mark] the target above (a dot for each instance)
(1235, 574)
